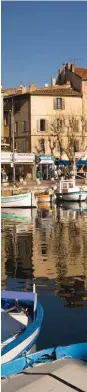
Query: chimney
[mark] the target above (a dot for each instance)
(22, 88)
(59, 71)
(53, 81)
(32, 87)
(68, 83)
(72, 67)
(68, 66)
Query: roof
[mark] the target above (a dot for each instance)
(60, 90)
(15, 91)
(81, 72)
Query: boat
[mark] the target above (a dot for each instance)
(21, 318)
(68, 191)
(51, 355)
(47, 197)
(24, 200)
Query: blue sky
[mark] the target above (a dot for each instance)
(38, 37)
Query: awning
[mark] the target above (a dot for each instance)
(68, 163)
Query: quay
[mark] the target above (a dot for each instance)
(64, 375)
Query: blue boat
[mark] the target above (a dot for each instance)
(21, 318)
(26, 361)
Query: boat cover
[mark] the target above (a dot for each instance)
(9, 326)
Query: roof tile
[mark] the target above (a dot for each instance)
(81, 72)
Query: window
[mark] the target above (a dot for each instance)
(17, 106)
(16, 128)
(41, 125)
(59, 103)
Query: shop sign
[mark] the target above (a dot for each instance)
(81, 155)
(24, 158)
(47, 159)
(7, 157)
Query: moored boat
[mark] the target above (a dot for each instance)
(21, 318)
(48, 197)
(68, 191)
(51, 355)
(26, 200)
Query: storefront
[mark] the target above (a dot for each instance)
(24, 165)
(45, 167)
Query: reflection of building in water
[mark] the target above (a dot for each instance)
(18, 246)
(50, 248)
(59, 252)
(73, 285)
(3, 258)
(44, 257)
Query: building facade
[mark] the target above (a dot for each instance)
(43, 116)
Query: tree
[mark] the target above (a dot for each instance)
(64, 134)
(41, 146)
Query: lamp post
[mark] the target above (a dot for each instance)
(12, 128)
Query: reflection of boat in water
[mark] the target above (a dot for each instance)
(68, 210)
(75, 206)
(18, 213)
(46, 217)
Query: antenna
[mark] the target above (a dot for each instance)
(73, 61)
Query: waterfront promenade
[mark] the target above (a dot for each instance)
(65, 375)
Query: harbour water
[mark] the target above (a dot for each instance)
(49, 248)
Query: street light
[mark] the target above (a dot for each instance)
(12, 132)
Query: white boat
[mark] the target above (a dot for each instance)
(25, 200)
(21, 318)
(68, 191)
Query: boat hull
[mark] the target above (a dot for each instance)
(25, 340)
(27, 200)
(46, 199)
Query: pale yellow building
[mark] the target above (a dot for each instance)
(64, 99)
(40, 112)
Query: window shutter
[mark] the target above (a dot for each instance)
(54, 103)
(63, 103)
(46, 125)
(38, 125)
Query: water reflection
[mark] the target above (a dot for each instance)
(48, 247)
